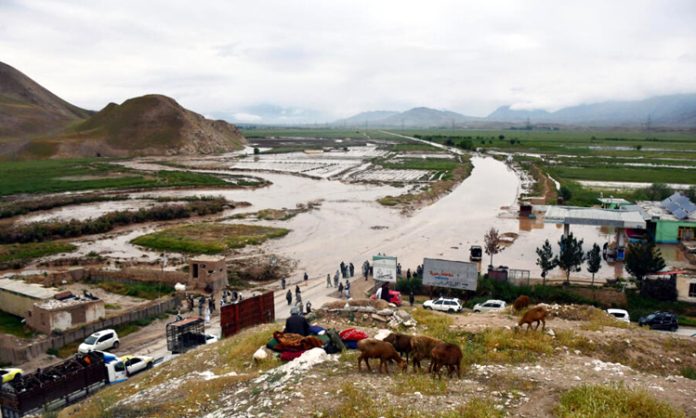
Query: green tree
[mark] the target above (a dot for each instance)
(691, 193)
(492, 243)
(571, 256)
(656, 191)
(594, 261)
(545, 260)
(643, 259)
(257, 151)
(565, 193)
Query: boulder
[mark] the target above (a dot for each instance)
(385, 312)
(379, 318)
(261, 354)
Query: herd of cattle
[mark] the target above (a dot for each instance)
(440, 353)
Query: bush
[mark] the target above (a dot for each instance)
(612, 401)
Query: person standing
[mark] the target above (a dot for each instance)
(282, 282)
(306, 276)
(328, 280)
(309, 307)
(347, 289)
(351, 269)
(336, 279)
(411, 297)
(298, 292)
(288, 296)
(340, 290)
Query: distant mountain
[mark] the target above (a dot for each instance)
(506, 114)
(149, 125)
(366, 117)
(27, 109)
(422, 117)
(674, 111)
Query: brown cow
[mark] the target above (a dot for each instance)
(536, 314)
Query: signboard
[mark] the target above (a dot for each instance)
(384, 268)
(446, 273)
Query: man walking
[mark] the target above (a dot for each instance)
(328, 280)
(288, 296)
(306, 276)
(336, 279)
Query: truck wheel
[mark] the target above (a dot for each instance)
(116, 344)
(673, 329)
(451, 310)
(149, 365)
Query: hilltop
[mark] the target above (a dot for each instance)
(35, 123)
(417, 117)
(27, 109)
(585, 364)
(150, 125)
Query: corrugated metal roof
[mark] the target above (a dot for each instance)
(31, 290)
(594, 216)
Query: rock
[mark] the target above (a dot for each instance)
(382, 334)
(410, 323)
(378, 317)
(261, 354)
(403, 315)
(550, 332)
(385, 312)
(368, 309)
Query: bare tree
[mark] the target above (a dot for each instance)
(492, 243)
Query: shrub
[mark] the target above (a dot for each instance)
(612, 401)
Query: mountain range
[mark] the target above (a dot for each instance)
(673, 111)
(35, 123)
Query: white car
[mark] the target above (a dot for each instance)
(209, 339)
(444, 305)
(102, 340)
(620, 314)
(491, 305)
(135, 364)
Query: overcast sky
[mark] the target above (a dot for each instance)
(320, 60)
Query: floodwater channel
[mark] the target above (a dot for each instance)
(351, 226)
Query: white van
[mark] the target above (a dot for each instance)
(100, 341)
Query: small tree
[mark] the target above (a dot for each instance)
(571, 256)
(643, 259)
(492, 243)
(594, 261)
(546, 260)
(565, 193)
(257, 151)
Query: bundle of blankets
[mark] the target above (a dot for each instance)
(291, 346)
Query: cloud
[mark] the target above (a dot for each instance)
(344, 57)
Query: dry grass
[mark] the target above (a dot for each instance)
(408, 383)
(476, 408)
(229, 356)
(612, 402)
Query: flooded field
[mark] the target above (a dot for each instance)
(86, 211)
(350, 225)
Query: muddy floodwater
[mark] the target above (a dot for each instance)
(354, 231)
(351, 226)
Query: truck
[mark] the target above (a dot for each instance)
(185, 334)
(59, 385)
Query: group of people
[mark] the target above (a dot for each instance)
(298, 300)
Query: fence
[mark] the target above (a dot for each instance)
(139, 275)
(249, 312)
(518, 277)
(11, 352)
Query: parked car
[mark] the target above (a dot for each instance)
(394, 296)
(9, 375)
(135, 364)
(444, 304)
(660, 320)
(620, 314)
(101, 340)
(491, 305)
(209, 339)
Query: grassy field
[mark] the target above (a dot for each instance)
(16, 255)
(208, 238)
(591, 401)
(10, 324)
(143, 290)
(53, 176)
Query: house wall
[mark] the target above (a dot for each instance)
(667, 232)
(211, 274)
(16, 304)
(683, 283)
(49, 320)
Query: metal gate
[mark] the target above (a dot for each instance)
(247, 313)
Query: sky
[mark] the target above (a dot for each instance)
(317, 61)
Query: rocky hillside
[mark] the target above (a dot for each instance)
(584, 364)
(150, 125)
(27, 109)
